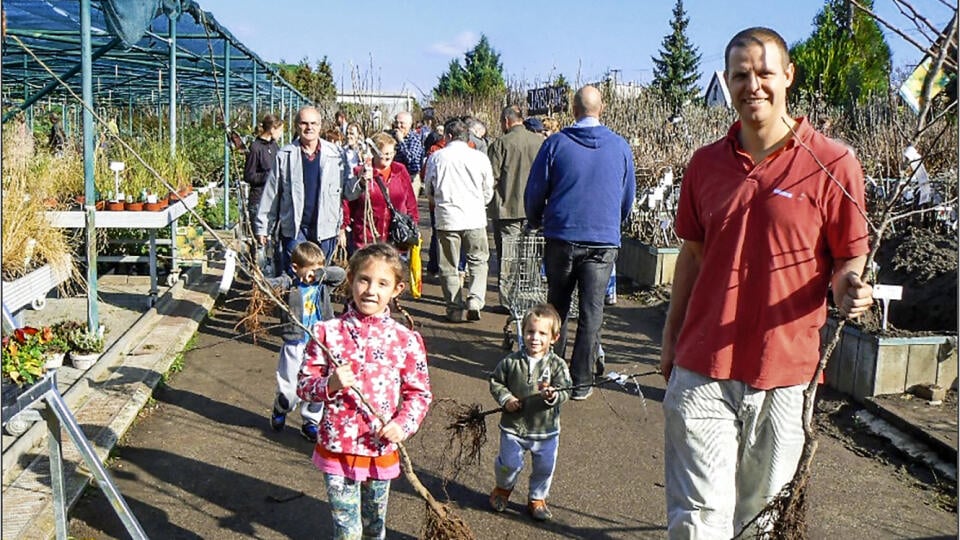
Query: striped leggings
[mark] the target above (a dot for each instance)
(729, 449)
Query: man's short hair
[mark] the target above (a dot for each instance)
(456, 129)
(476, 126)
(511, 113)
(757, 35)
(307, 254)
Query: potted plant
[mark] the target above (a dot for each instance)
(23, 357)
(55, 347)
(85, 347)
(151, 204)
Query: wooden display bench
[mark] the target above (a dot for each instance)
(149, 221)
(31, 289)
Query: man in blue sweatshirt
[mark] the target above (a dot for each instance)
(581, 188)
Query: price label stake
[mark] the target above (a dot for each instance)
(886, 294)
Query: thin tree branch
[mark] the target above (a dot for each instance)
(924, 49)
(827, 171)
(919, 211)
(917, 18)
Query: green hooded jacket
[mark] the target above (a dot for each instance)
(512, 377)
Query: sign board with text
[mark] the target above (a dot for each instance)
(546, 100)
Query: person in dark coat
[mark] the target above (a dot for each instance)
(261, 159)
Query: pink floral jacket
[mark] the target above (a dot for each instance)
(390, 363)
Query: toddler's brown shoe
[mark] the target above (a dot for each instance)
(499, 498)
(539, 511)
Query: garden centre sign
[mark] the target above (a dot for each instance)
(546, 100)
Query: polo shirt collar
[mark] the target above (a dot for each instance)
(802, 129)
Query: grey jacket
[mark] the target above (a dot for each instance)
(511, 157)
(537, 419)
(282, 199)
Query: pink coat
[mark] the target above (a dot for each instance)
(390, 363)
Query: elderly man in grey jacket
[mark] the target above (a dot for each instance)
(302, 197)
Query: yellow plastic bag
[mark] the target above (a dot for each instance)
(416, 270)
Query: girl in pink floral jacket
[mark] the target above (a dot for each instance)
(364, 351)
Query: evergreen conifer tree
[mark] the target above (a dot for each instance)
(676, 72)
(845, 60)
(480, 75)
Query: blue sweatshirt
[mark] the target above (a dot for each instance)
(581, 186)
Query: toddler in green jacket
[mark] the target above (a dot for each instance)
(527, 384)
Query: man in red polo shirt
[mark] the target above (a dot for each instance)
(766, 231)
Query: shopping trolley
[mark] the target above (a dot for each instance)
(524, 282)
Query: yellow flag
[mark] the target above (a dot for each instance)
(911, 88)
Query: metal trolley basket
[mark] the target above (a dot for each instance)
(524, 282)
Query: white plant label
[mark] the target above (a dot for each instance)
(888, 292)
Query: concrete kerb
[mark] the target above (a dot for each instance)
(79, 391)
(203, 296)
(940, 447)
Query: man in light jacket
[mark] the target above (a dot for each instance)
(302, 195)
(459, 181)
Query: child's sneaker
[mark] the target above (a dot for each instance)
(277, 420)
(499, 498)
(309, 432)
(539, 511)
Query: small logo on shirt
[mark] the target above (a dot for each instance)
(782, 193)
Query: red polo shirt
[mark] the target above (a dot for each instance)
(770, 232)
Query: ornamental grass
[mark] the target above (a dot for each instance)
(30, 179)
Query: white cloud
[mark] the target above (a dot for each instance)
(460, 44)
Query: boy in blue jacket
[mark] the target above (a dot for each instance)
(308, 301)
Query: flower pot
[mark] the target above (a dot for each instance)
(133, 206)
(151, 207)
(100, 205)
(115, 206)
(83, 361)
(50, 203)
(164, 203)
(54, 360)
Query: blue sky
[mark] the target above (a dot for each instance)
(404, 45)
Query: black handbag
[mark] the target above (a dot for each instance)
(403, 231)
